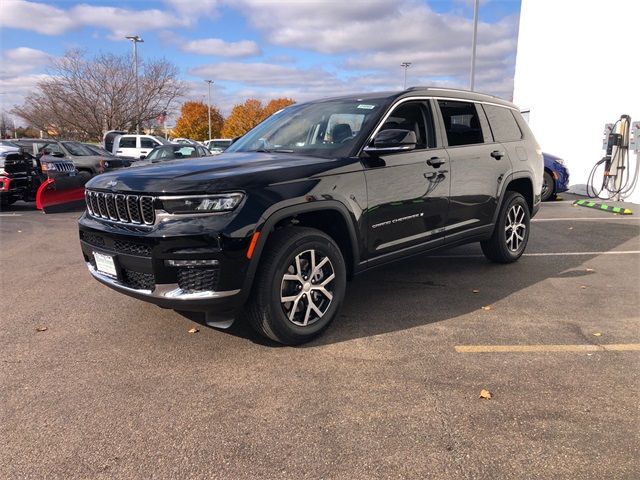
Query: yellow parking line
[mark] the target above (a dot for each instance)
(617, 347)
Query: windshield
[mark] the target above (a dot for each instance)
(325, 129)
(172, 152)
(97, 150)
(77, 149)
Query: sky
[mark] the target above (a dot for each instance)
(302, 49)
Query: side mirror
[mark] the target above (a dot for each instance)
(393, 140)
(57, 154)
(142, 157)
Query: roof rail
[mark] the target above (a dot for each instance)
(447, 89)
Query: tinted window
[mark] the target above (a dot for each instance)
(461, 122)
(411, 116)
(147, 143)
(128, 142)
(503, 125)
(77, 149)
(50, 148)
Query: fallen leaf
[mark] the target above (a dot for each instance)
(19, 231)
(475, 291)
(486, 394)
(597, 334)
(583, 286)
(589, 270)
(41, 329)
(194, 330)
(570, 228)
(486, 307)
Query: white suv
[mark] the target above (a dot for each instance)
(136, 146)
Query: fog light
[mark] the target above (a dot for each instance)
(191, 263)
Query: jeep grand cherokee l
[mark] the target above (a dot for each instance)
(320, 191)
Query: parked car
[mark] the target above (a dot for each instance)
(86, 161)
(173, 152)
(316, 193)
(556, 177)
(136, 146)
(218, 145)
(8, 146)
(110, 161)
(185, 141)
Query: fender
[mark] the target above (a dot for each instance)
(265, 227)
(503, 189)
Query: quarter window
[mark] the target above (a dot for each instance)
(461, 123)
(503, 124)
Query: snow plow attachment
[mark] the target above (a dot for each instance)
(61, 194)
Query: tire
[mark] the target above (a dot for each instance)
(505, 246)
(547, 187)
(289, 253)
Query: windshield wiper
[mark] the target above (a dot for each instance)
(275, 150)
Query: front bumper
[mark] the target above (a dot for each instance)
(561, 177)
(141, 256)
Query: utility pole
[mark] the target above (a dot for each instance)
(405, 65)
(474, 41)
(209, 107)
(135, 39)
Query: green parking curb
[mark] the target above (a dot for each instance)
(603, 207)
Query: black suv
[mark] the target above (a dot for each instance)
(318, 192)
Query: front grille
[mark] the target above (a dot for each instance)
(121, 208)
(198, 279)
(64, 166)
(137, 280)
(132, 248)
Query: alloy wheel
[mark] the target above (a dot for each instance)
(515, 227)
(306, 289)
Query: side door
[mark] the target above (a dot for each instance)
(127, 147)
(478, 166)
(146, 145)
(408, 192)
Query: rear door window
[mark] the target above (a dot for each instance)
(127, 142)
(503, 124)
(461, 122)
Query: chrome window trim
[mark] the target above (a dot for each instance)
(426, 97)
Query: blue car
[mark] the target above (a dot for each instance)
(556, 177)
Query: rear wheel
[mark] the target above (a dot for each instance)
(547, 187)
(511, 233)
(299, 286)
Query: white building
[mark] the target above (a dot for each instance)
(578, 68)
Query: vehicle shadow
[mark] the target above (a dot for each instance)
(426, 289)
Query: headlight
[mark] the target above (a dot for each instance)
(45, 166)
(202, 203)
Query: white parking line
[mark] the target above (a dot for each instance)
(550, 254)
(585, 219)
(10, 214)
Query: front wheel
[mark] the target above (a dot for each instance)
(511, 233)
(547, 187)
(299, 286)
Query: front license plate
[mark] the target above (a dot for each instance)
(105, 264)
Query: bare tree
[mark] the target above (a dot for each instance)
(83, 97)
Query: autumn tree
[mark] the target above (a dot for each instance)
(247, 115)
(194, 123)
(84, 97)
(276, 105)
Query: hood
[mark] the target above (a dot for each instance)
(226, 172)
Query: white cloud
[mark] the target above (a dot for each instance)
(21, 60)
(49, 20)
(212, 46)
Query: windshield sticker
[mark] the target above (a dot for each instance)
(364, 106)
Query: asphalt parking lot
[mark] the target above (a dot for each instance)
(117, 388)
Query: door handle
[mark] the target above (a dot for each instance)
(435, 162)
(497, 154)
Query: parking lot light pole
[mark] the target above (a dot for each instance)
(209, 107)
(405, 65)
(474, 42)
(135, 39)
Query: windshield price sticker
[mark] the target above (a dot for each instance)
(364, 106)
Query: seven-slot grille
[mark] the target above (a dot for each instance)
(64, 166)
(117, 207)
